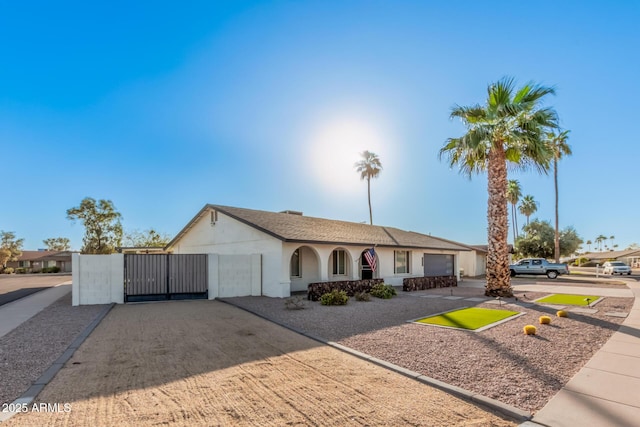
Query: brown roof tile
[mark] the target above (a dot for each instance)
(299, 228)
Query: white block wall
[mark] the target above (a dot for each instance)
(97, 279)
(234, 276)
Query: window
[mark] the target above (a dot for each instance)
(295, 264)
(536, 262)
(401, 262)
(339, 262)
(524, 262)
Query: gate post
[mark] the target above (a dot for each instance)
(213, 277)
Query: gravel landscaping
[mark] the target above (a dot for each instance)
(501, 363)
(27, 351)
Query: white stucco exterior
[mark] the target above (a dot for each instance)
(474, 263)
(222, 234)
(97, 279)
(228, 236)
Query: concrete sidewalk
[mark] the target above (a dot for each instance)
(606, 391)
(15, 313)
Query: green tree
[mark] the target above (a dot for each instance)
(103, 230)
(510, 129)
(539, 240)
(528, 206)
(558, 145)
(146, 239)
(10, 247)
(369, 167)
(514, 192)
(599, 240)
(57, 244)
(589, 243)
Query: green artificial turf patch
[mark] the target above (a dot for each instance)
(468, 318)
(566, 299)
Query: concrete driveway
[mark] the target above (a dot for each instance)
(209, 363)
(16, 286)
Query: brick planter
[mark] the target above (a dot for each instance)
(351, 287)
(421, 283)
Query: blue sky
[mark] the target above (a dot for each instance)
(163, 107)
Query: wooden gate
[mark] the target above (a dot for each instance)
(165, 277)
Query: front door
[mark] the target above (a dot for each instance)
(365, 268)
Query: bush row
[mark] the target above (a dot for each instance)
(22, 270)
(351, 287)
(338, 297)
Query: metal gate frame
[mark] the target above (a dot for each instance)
(159, 277)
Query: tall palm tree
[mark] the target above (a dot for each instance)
(514, 192)
(369, 167)
(589, 243)
(509, 128)
(611, 238)
(528, 206)
(558, 145)
(601, 238)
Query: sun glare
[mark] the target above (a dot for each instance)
(335, 147)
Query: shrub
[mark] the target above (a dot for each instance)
(562, 313)
(8, 270)
(530, 330)
(54, 269)
(335, 297)
(362, 296)
(545, 320)
(294, 303)
(383, 291)
(581, 261)
(21, 270)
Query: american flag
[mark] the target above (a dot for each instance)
(370, 256)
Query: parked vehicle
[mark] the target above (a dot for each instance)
(616, 267)
(538, 266)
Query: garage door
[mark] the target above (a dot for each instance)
(438, 265)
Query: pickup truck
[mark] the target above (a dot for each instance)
(538, 266)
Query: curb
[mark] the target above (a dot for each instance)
(492, 404)
(35, 389)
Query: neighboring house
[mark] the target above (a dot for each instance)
(297, 250)
(35, 261)
(630, 257)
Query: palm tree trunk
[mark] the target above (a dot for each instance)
(557, 234)
(369, 196)
(498, 280)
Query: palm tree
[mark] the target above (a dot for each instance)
(528, 206)
(612, 238)
(508, 128)
(559, 147)
(513, 196)
(601, 238)
(589, 243)
(369, 167)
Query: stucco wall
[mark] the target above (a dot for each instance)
(473, 263)
(97, 279)
(231, 237)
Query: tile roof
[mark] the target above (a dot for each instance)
(611, 254)
(291, 227)
(46, 255)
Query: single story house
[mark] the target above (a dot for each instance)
(35, 261)
(296, 250)
(474, 263)
(631, 257)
